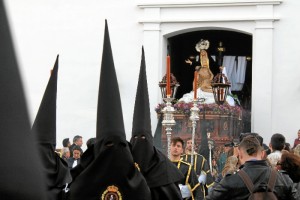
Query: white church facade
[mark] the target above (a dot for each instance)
(74, 29)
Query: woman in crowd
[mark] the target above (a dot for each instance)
(65, 153)
(291, 164)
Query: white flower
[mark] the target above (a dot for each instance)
(202, 45)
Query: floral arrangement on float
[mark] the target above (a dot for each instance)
(213, 108)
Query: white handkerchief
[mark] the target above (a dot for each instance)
(74, 163)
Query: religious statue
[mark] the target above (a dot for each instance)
(206, 69)
(205, 75)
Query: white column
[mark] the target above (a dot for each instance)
(152, 47)
(262, 77)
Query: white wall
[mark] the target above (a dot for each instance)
(74, 29)
(286, 71)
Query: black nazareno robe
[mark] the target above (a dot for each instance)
(161, 175)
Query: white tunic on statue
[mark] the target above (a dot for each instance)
(207, 96)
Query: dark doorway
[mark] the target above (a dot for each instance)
(182, 47)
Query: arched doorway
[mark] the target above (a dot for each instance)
(237, 44)
(164, 20)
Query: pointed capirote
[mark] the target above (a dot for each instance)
(44, 129)
(141, 118)
(107, 169)
(20, 168)
(109, 113)
(44, 126)
(141, 139)
(161, 174)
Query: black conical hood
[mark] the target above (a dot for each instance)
(142, 140)
(109, 114)
(44, 126)
(107, 169)
(141, 118)
(20, 169)
(156, 167)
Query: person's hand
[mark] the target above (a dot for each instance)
(185, 191)
(202, 178)
(188, 61)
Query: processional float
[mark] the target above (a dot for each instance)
(169, 85)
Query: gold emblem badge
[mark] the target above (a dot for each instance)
(111, 193)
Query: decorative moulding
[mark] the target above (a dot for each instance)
(182, 4)
(250, 10)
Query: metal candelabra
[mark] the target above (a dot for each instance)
(210, 147)
(194, 117)
(168, 121)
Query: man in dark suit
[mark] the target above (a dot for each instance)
(259, 171)
(75, 160)
(66, 142)
(77, 141)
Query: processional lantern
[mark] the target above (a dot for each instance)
(173, 84)
(220, 86)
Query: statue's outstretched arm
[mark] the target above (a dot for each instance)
(188, 61)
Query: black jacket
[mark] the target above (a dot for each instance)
(232, 187)
(70, 162)
(297, 186)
